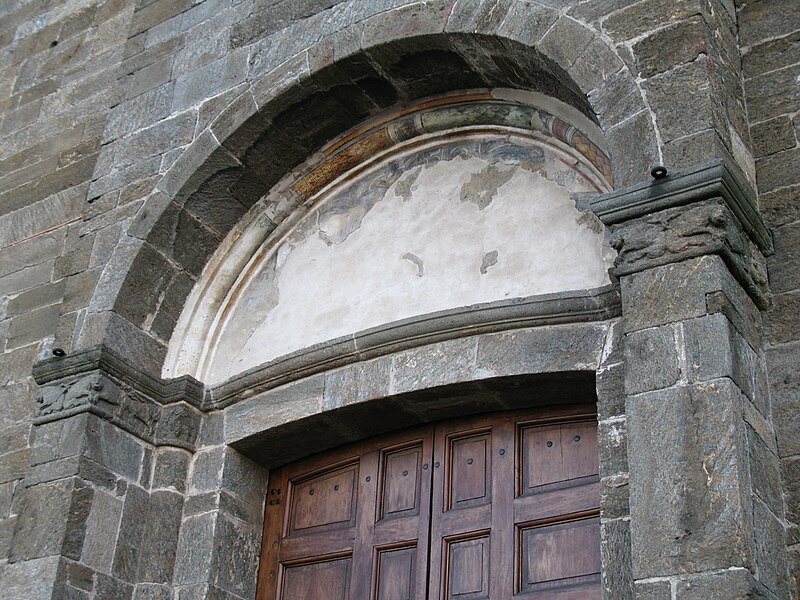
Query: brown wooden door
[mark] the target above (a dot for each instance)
(489, 507)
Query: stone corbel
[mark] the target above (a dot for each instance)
(163, 413)
(710, 209)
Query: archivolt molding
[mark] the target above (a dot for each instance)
(433, 122)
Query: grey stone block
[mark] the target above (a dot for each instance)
(689, 497)
(781, 324)
(765, 473)
(653, 590)
(160, 538)
(771, 55)
(781, 206)
(617, 98)
(14, 465)
(565, 41)
(527, 23)
(778, 170)
(195, 549)
(671, 46)
(540, 350)
(178, 425)
(103, 521)
(33, 326)
(651, 359)
(598, 64)
(682, 100)
(30, 579)
(235, 560)
(210, 79)
(635, 133)
(610, 386)
(42, 521)
(359, 382)
(767, 19)
(772, 95)
(635, 20)
(131, 533)
(614, 497)
(478, 16)
(273, 408)
(114, 448)
(773, 136)
(784, 271)
(770, 554)
(714, 349)
(434, 365)
(612, 437)
(207, 466)
(170, 469)
(244, 479)
(170, 133)
(615, 555)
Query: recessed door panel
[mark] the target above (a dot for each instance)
(395, 574)
(324, 501)
(400, 482)
(557, 455)
(467, 568)
(560, 556)
(469, 470)
(324, 580)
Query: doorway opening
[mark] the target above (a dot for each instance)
(482, 507)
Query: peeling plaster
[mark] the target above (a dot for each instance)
(450, 224)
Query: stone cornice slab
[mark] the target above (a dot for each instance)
(714, 179)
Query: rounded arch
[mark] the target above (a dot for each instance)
(285, 114)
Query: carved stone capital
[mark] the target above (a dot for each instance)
(708, 210)
(95, 381)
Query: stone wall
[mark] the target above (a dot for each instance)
(770, 41)
(121, 121)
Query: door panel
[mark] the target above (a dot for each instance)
(493, 507)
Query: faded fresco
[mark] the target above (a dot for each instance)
(456, 223)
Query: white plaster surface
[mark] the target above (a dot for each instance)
(428, 231)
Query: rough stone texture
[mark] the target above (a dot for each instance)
(689, 486)
(111, 118)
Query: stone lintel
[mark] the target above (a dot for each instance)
(505, 315)
(714, 179)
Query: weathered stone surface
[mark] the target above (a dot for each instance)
(104, 517)
(114, 448)
(195, 549)
(671, 46)
(42, 521)
(286, 403)
(614, 497)
(160, 537)
(539, 350)
(688, 479)
(615, 556)
(244, 479)
(235, 561)
(738, 583)
(772, 94)
(653, 590)
(635, 132)
(30, 579)
(770, 557)
(767, 19)
(170, 469)
(765, 472)
(651, 359)
(131, 533)
(612, 437)
(778, 169)
(782, 325)
(784, 265)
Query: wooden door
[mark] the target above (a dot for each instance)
(492, 507)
